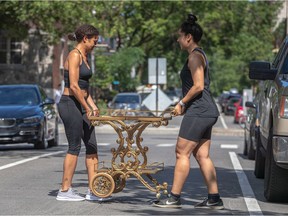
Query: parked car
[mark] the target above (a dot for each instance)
(231, 106)
(271, 160)
(222, 97)
(129, 102)
(251, 130)
(226, 98)
(239, 112)
(27, 115)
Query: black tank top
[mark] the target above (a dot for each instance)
(84, 75)
(203, 105)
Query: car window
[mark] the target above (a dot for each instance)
(277, 59)
(284, 68)
(233, 100)
(18, 96)
(127, 99)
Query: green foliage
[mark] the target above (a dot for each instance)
(121, 64)
(235, 33)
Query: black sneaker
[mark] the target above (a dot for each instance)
(169, 202)
(206, 204)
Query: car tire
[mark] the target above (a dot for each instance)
(275, 176)
(259, 168)
(42, 143)
(245, 145)
(55, 140)
(251, 151)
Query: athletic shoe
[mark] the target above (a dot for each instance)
(169, 202)
(91, 197)
(70, 195)
(208, 204)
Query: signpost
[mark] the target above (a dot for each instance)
(157, 75)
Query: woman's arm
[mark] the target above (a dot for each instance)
(73, 67)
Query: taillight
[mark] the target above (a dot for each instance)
(284, 107)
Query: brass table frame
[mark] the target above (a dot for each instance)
(127, 160)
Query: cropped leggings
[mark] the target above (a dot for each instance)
(77, 126)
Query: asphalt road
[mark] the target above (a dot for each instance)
(30, 178)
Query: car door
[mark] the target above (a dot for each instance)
(268, 96)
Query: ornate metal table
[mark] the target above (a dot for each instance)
(126, 159)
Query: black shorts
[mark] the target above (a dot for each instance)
(196, 128)
(77, 126)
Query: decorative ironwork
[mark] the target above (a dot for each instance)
(127, 160)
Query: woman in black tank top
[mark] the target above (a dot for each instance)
(200, 114)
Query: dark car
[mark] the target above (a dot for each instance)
(27, 115)
(225, 98)
(251, 130)
(222, 98)
(230, 107)
(127, 102)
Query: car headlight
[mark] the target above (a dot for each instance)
(33, 119)
(284, 107)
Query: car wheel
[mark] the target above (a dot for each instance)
(251, 151)
(275, 177)
(42, 143)
(55, 140)
(259, 168)
(245, 145)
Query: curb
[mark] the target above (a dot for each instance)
(107, 129)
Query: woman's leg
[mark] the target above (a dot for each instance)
(184, 148)
(72, 119)
(91, 165)
(69, 166)
(89, 139)
(201, 154)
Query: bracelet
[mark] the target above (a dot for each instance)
(182, 104)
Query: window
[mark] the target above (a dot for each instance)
(10, 50)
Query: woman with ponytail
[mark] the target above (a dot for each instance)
(75, 106)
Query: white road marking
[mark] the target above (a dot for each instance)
(221, 117)
(165, 145)
(248, 194)
(103, 144)
(229, 146)
(223, 121)
(29, 159)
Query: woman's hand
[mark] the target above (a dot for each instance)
(95, 112)
(178, 109)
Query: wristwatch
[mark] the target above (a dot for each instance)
(182, 104)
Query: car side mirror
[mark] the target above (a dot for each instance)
(261, 70)
(250, 104)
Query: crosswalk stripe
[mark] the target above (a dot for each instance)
(229, 146)
(165, 145)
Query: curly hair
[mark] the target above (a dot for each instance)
(83, 30)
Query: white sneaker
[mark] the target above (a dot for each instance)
(91, 197)
(70, 195)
